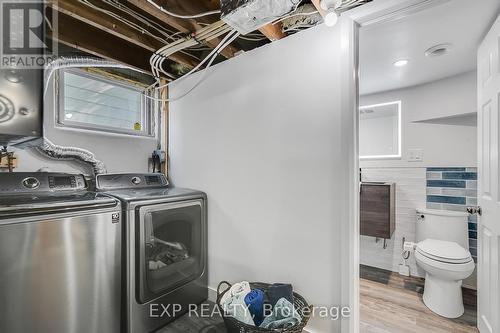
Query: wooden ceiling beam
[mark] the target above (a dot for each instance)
(273, 31)
(115, 27)
(182, 25)
(317, 4)
(92, 40)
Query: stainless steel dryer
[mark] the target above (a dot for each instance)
(60, 255)
(165, 244)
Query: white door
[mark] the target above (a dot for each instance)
(489, 182)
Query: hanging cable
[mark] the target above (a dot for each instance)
(256, 39)
(212, 12)
(217, 49)
(293, 15)
(213, 31)
(212, 56)
(205, 72)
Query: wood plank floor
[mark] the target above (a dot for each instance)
(393, 304)
(396, 306)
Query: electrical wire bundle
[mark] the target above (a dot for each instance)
(170, 49)
(193, 41)
(203, 35)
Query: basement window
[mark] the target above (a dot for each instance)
(95, 102)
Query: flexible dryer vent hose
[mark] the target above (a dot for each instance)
(54, 151)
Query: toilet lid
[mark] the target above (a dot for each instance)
(445, 251)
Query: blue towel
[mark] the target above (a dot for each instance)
(284, 316)
(279, 290)
(255, 302)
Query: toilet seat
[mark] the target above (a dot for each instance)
(443, 251)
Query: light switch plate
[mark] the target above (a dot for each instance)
(415, 155)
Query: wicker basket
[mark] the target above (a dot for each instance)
(235, 326)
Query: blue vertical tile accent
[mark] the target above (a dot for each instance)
(460, 175)
(454, 189)
(446, 199)
(446, 183)
(472, 226)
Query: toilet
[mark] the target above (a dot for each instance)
(442, 251)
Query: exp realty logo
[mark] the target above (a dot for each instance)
(23, 42)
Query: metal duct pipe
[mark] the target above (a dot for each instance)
(54, 151)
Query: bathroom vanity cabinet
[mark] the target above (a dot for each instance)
(378, 209)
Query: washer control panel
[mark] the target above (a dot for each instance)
(130, 180)
(27, 182)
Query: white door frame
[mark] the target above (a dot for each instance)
(378, 11)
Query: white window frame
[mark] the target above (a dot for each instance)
(148, 107)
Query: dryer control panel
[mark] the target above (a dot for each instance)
(106, 182)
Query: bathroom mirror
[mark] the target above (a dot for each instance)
(380, 130)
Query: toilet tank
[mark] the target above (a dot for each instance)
(442, 225)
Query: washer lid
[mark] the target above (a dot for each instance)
(444, 251)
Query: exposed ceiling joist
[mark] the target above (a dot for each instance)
(92, 40)
(183, 25)
(317, 4)
(115, 27)
(273, 31)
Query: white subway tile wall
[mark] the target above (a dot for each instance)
(410, 195)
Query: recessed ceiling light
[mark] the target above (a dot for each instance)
(401, 63)
(438, 50)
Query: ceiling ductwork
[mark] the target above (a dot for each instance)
(249, 15)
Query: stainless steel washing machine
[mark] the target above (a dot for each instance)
(165, 244)
(60, 255)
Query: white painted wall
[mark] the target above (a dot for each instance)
(443, 145)
(120, 153)
(263, 137)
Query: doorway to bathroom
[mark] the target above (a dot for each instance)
(418, 149)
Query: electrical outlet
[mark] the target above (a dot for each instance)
(415, 155)
(160, 154)
(404, 270)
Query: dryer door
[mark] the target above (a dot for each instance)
(171, 247)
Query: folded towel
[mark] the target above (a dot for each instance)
(279, 290)
(255, 302)
(284, 316)
(233, 303)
